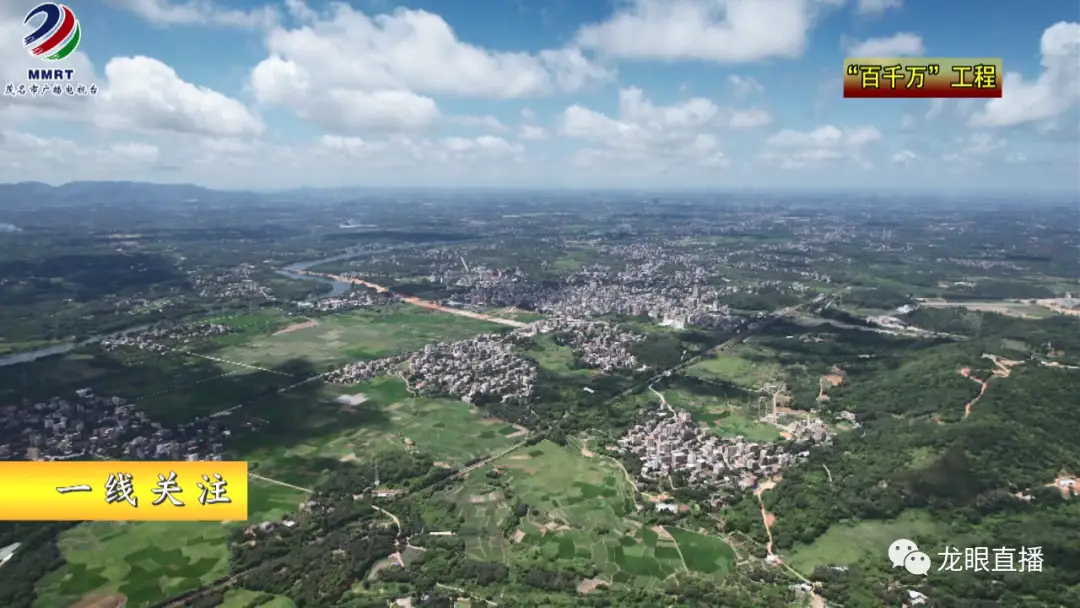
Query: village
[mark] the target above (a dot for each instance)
(670, 441)
(90, 426)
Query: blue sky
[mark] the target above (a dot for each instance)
(722, 94)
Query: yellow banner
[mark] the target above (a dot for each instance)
(123, 491)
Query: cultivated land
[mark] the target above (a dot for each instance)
(582, 510)
(145, 561)
(376, 416)
(352, 336)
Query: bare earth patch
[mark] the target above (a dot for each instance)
(519, 536)
(297, 327)
(520, 457)
(589, 585)
(519, 432)
(113, 600)
(483, 498)
(663, 533)
(443, 465)
(393, 407)
(348, 457)
(489, 421)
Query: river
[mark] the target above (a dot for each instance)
(59, 349)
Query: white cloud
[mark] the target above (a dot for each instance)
(479, 122)
(144, 93)
(644, 130)
(417, 51)
(905, 157)
(722, 31)
(789, 149)
(1053, 93)
(347, 70)
(29, 156)
(874, 8)
(744, 85)
(528, 115)
(971, 150)
(532, 132)
(897, 45)
(405, 151)
(197, 12)
(1016, 157)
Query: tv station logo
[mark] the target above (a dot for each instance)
(55, 33)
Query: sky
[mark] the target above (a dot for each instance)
(665, 94)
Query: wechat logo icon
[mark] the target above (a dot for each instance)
(905, 553)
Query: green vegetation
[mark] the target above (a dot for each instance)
(143, 561)
(345, 337)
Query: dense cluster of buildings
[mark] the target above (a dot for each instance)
(87, 426)
(162, 338)
(227, 284)
(597, 345)
(671, 441)
(485, 365)
(356, 298)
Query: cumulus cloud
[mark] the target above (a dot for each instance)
(973, 149)
(1053, 93)
(197, 12)
(533, 132)
(26, 156)
(790, 149)
(643, 130)
(144, 93)
(489, 123)
(904, 157)
(393, 62)
(897, 45)
(722, 31)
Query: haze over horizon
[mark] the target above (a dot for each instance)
(637, 95)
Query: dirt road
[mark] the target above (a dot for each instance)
(1002, 369)
(767, 518)
(416, 301)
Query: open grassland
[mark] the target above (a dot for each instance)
(734, 369)
(555, 358)
(844, 545)
(353, 423)
(703, 554)
(725, 412)
(352, 336)
(148, 561)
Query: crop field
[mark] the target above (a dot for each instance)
(568, 488)
(145, 561)
(556, 359)
(337, 339)
(580, 510)
(244, 598)
(351, 423)
(849, 544)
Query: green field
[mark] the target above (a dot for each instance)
(849, 544)
(703, 554)
(581, 511)
(383, 418)
(352, 336)
(144, 561)
(724, 416)
(556, 359)
(243, 598)
(736, 370)
(147, 561)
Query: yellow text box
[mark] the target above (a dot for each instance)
(124, 491)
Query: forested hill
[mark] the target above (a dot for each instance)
(982, 481)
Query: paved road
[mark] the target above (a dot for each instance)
(416, 301)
